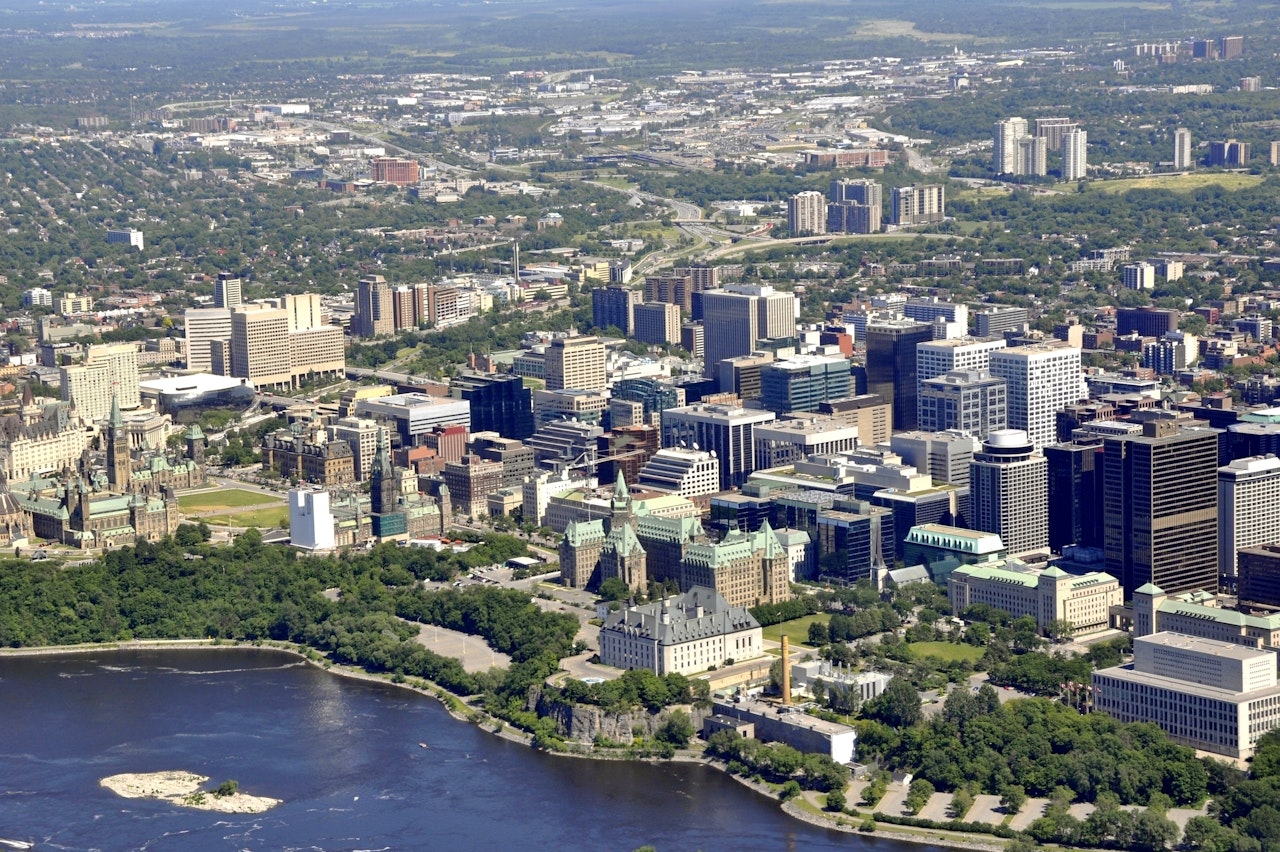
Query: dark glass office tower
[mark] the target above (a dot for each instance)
(891, 366)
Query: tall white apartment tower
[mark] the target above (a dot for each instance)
(1008, 133)
(807, 213)
(1042, 379)
(1009, 491)
(1182, 149)
(1248, 513)
(1075, 148)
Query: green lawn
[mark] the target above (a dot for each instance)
(1181, 182)
(262, 519)
(223, 498)
(945, 651)
(797, 629)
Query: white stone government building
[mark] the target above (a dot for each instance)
(1215, 696)
(683, 633)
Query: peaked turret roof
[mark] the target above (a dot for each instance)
(117, 420)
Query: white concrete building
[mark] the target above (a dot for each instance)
(109, 371)
(1009, 491)
(1041, 380)
(310, 519)
(1214, 696)
(1248, 513)
(685, 633)
(203, 326)
(686, 472)
(724, 429)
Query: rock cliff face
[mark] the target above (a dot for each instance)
(584, 722)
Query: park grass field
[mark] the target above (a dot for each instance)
(222, 499)
(262, 518)
(945, 651)
(797, 629)
(1229, 181)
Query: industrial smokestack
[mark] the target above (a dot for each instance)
(786, 669)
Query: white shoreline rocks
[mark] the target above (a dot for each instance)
(184, 789)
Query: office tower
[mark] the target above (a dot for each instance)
(1274, 159)
(866, 192)
(1182, 149)
(1229, 47)
(970, 401)
(678, 286)
(795, 439)
(735, 320)
(929, 308)
(919, 204)
(1160, 512)
(892, 366)
(1075, 494)
(653, 396)
(741, 315)
(807, 213)
(740, 376)
(945, 456)
(802, 382)
(226, 291)
(722, 429)
(575, 363)
(202, 327)
(260, 345)
(499, 403)
(693, 339)
(109, 375)
(1250, 84)
(1033, 156)
(1042, 379)
(1054, 130)
(394, 170)
(1138, 276)
(1008, 133)
(938, 357)
(994, 321)
(1009, 491)
(1229, 152)
(1146, 321)
(657, 323)
(614, 306)
(1075, 155)
(850, 217)
(375, 311)
(1248, 514)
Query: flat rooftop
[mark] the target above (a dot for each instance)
(194, 383)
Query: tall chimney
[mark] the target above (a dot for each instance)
(786, 669)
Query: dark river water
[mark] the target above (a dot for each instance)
(344, 756)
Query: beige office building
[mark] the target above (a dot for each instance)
(203, 327)
(260, 349)
(575, 363)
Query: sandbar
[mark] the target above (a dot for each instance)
(184, 788)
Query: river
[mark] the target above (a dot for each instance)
(344, 756)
